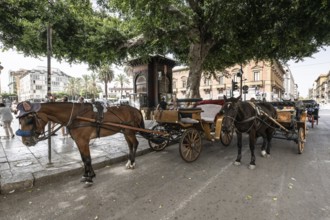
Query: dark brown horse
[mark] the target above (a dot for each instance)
(84, 122)
(249, 117)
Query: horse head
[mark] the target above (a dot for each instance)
(31, 125)
(229, 112)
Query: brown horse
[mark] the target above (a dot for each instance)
(252, 118)
(84, 122)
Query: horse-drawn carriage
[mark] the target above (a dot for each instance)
(291, 121)
(312, 108)
(186, 125)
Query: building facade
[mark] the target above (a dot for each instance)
(262, 80)
(321, 88)
(32, 84)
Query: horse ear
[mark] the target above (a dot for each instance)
(27, 106)
(225, 98)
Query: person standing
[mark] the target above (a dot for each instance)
(64, 129)
(6, 118)
(53, 124)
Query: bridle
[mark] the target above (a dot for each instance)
(33, 134)
(234, 120)
(231, 118)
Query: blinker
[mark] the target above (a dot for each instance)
(22, 133)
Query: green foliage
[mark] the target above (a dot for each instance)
(207, 35)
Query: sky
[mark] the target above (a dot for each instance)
(304, 72)
(307, 71)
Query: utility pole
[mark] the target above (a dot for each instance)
(240, 74)
(49, 80)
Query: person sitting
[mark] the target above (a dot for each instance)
(163, 104)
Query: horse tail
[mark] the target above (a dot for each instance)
(146, 135)
(141, 124)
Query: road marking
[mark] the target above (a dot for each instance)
(185, 202)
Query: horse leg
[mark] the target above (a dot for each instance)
(263, 147)
(132, 143)
(269, 142)
(252, 142)
(89, 174)
(239, 149)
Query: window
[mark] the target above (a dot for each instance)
(256, 75)
(141, 84)
(184, 81)
(206, 82)
(221, 80)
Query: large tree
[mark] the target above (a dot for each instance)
(207, 35)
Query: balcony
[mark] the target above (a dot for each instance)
(206, 88)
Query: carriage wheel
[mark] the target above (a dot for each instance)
(190, 145)
(301, 140)
(161, 142)
(226, 137)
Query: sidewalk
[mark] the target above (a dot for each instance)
(23, 167)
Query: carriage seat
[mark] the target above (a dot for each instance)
(189, 115)
(189, 121)
(209, 112)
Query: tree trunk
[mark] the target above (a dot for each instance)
(106, 90)
(197, 55)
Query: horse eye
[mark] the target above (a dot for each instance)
(29, 121)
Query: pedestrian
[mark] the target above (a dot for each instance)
(64, 129)
(81, 99)
(6, 118)
(53, 124)
(65, 99)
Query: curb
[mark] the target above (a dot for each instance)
(10, 183)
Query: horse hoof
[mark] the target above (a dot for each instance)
(130, 166)
(252, 167)
(83, 179)
(236, 163)
(88, 184)
(268, 155)
(263, 153)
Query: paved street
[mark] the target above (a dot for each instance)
(286, 186)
